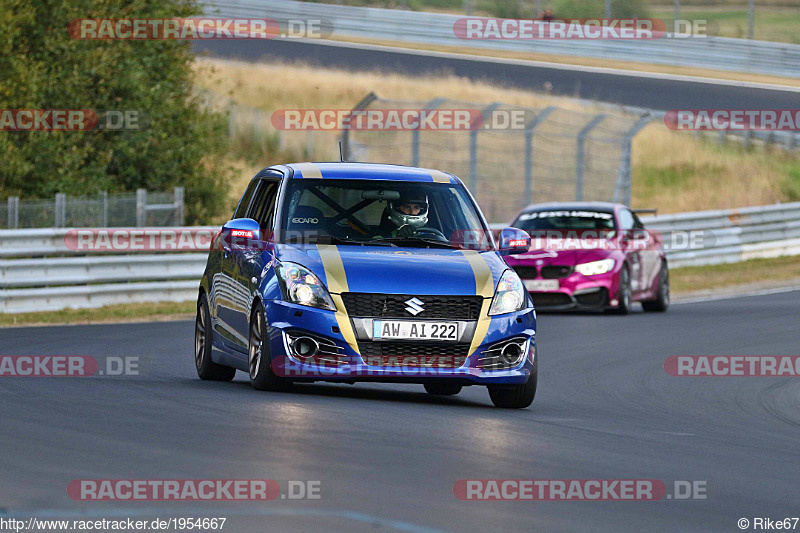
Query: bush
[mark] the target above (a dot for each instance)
(44, 68)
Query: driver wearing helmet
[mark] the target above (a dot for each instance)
(407, 214)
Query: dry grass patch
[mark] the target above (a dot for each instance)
(673, 171)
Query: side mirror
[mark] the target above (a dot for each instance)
(514, 241)
(240, 232)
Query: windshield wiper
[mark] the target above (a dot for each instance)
(411, 241)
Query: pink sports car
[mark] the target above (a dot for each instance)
(591, 255)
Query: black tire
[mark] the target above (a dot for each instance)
(203, 335)
(259, 358)
(623, 293)
(660, 304)
(516, 396)
(443, 389)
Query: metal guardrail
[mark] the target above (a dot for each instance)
(721, 53)
(734, 235)
(40, 272)
(32, 279)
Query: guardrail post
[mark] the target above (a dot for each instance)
(580, 155)
(60, 210)
(433, 104)
(141, 207)
(486, 113)
(360, 106)
(179, 206)
(13, 212)
(256, 124)
(104, 194)
(538, 119)
(624, 175)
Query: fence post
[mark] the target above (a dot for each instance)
(580, 156)
(538, 119)
(179, 206)
(13, 212)
(141, 207)
(104, 194)
(360, 106)
(256, 125)
(624, 174)
(433, 104)
(60, 210)
(232, 120)
(474, 130)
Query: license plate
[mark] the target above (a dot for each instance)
(408, 329)
(541, 285)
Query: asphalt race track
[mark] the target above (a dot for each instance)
(387, 456)
(631, 89)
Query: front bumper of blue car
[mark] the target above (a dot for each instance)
(339, 348)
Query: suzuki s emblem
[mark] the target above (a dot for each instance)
(414, 306)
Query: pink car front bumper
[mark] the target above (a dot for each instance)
(560, 287)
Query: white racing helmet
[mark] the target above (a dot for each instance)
(401, 219)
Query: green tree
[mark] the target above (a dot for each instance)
(43, 67)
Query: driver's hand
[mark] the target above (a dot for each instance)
(406, 231)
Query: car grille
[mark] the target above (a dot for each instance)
(413, 354)
(361, 304)
(526, 272)
(547, 272)
(556, 271)
(550, 299)
(594, 298)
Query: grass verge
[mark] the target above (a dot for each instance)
(754, 271)
(139, 312)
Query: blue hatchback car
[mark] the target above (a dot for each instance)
(350, 272)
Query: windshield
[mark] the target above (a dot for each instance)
(567, 220)
(380, 212)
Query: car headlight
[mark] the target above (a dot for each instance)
(509, 295)
(595, 267)
(302, 287)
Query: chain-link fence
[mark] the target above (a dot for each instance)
(552, 154)
(139, 209)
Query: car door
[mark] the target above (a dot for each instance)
(223, 294)
(631, 248)
(650, 246)
(248, 260)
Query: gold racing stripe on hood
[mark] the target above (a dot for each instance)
(337, 284)
(484, 287)
(309, 170)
